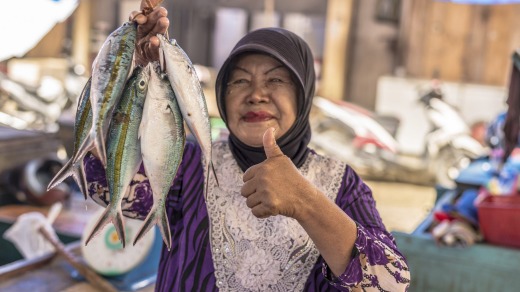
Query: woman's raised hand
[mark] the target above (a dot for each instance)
(151, 20)
(275, 186)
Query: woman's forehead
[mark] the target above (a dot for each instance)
(256, 59)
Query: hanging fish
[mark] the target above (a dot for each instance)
(82, 125)
(162, 145)
(124, 149)
(190, 96)
(110, 71)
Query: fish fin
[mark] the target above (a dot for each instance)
(161, 219)
(162, 56)
(99, 143)
(81, 178)
(131, 69)
(119, 224)
(103, 220)
(148, 223)
(164, 227)
(66, 171)
(140, 131)
(85, 147)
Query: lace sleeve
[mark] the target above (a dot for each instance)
(377, 262)
(376, 265)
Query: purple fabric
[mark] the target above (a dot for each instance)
(188, 266)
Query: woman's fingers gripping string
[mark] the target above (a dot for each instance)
(146, 4)
(137, 17)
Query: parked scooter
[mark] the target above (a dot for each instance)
(367, 142)
(23, 107)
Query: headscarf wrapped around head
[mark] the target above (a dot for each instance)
(293, 52)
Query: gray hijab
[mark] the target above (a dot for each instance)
(295, 54)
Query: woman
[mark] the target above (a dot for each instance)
(282, 218)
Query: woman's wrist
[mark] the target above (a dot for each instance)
(308, 205)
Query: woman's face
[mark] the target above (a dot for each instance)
(260, 94)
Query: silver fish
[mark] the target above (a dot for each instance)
(124, 150)
(162, 146)
(82, 124)
(190, 96)
(110, 71)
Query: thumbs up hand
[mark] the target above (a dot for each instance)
(275, 186)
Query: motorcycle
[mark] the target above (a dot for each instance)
(367, 142)
(25, 107)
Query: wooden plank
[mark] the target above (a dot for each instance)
(500, 43)
(414, 35)
(475, 47)
(81, 35)
(20, 267)
(404, 33)
(51, 45)
(336, 49)
(447, 27)
(48, 273)
(456, 42)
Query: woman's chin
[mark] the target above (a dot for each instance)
(252, 133)
(253, 141)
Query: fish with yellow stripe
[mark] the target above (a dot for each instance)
(192, 103)
(82, 125)
(124, 150)
(110, 71)
(162, 145)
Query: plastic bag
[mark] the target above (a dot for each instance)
(25, 235)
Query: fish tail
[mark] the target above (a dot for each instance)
(81, 178)
(164, 227)
(85, 147)
(103, 220)
(159, 217)
(99, 142)
(66, 171)
(120, 226)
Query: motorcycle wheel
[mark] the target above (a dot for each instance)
(448, 164)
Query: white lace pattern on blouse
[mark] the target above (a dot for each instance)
(252, 254)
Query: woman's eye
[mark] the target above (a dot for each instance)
(239, 81)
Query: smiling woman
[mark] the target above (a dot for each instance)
(260, 94)
(281, 217)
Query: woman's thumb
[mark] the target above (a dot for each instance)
(270, 147)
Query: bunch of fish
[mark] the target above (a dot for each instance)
(130, 115)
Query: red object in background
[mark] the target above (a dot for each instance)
(499, 219)
(3, 67)
(360, 142)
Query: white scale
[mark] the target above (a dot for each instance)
(105, 253)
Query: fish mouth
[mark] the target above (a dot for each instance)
(257, 116)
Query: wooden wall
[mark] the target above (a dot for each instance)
(458, 42)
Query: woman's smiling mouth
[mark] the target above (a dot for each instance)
(254, 117)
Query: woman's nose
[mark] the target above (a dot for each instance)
(259, 93)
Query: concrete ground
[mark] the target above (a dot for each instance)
(402, 206)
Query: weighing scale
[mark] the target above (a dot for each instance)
(129, 268)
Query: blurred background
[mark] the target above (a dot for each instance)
(407, 90)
